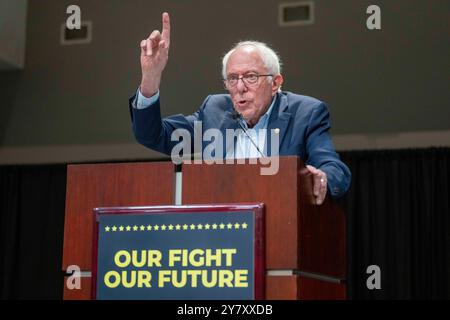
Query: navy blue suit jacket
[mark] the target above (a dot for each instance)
(303, 123)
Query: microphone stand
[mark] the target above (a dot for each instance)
(238, 117)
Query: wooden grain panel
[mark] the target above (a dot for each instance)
(238, 183)
(322, 232)
(281, 287)
(84, 293)
(298, 287)
(299, 234)
(314, 289)
(104, 185)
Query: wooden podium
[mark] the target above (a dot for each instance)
(305, 243)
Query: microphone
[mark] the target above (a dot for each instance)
(238, 117)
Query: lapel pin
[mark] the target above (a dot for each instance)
(277, 130)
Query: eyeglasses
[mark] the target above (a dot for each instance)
(249, 79)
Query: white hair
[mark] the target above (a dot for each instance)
(269, 57)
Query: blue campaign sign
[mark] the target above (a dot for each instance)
(179, 253)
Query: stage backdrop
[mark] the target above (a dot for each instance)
(398, 218)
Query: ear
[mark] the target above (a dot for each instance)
(277, 81)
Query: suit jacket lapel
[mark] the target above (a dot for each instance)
(278, 122)
(279, 119)
(228, 122)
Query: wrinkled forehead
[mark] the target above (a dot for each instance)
(245, 59)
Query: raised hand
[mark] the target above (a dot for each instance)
(154, 56)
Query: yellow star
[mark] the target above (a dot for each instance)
(128, 228)
(222, 226)
(207, 226)
(214, 226)
(135, 228)
(163, 227)
(121, 228)
(237, 225)
(192, 227)
(107, 228)
(142, 228)
(244, 225)
(178, 227)
(185, 226)
(114, 228)
(199, 226)
(149, 227)
(229, 226)
(155, 227)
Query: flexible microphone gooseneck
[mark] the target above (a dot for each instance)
(238, 117)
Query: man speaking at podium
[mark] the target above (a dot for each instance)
(255, 104)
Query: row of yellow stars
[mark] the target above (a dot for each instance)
(170, 227)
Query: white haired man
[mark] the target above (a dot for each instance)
(252, 76)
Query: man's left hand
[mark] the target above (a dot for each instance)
(320, 184)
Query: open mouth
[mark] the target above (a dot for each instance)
(242, 103)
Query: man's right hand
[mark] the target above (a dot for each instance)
(154, 56)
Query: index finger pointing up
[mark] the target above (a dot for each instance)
(166, 28)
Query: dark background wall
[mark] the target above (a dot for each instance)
(377, 82)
